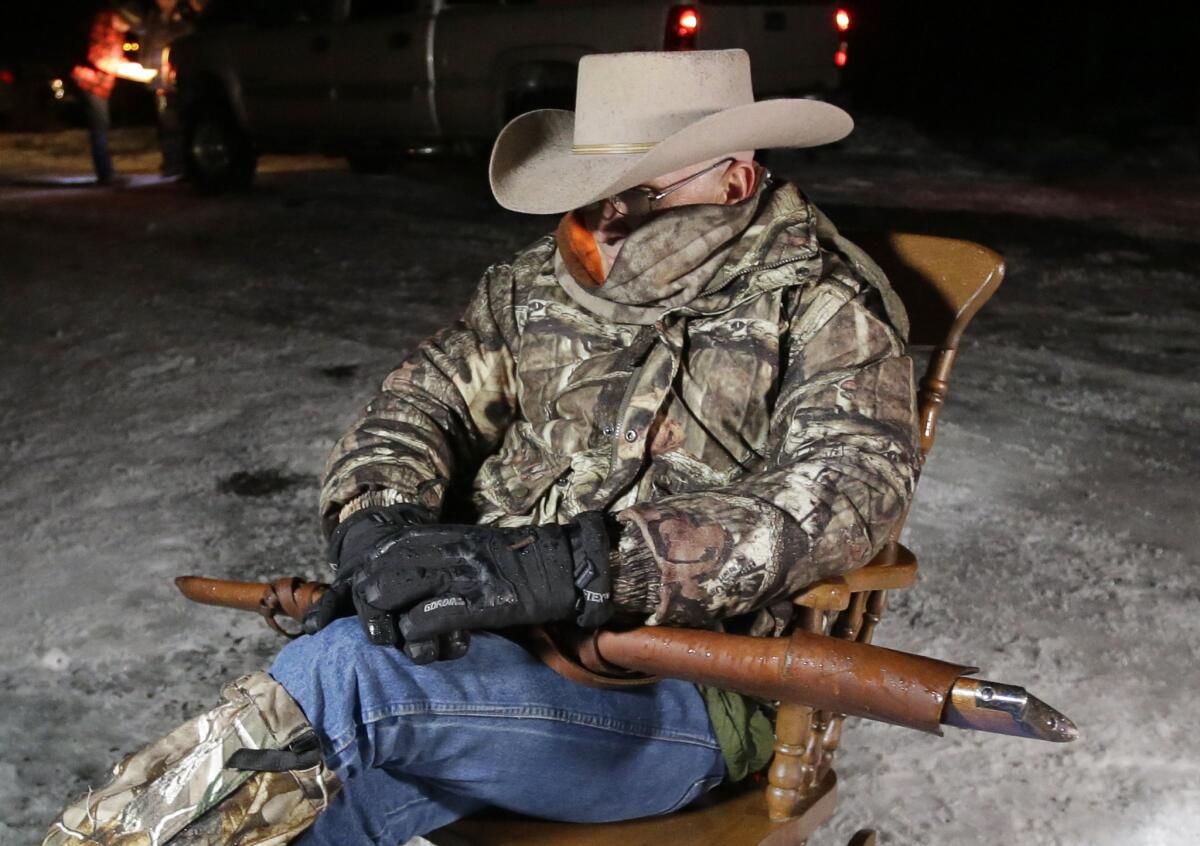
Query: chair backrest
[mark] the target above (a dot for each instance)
(943, 283)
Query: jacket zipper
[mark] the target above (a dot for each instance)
(743, 272)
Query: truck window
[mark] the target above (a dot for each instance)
(363, 10)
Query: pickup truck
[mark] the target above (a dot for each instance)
(373, 79)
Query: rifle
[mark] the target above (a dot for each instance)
(828, 673)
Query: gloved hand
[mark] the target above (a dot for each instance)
(352, 542)
(439, 579)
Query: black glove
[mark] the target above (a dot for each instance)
(354, 539)
(364, 530)
(439, 579)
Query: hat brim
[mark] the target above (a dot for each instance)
(533, 170)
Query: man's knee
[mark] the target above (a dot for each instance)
(337, 673)
(343, 683)
(328, 658)
(343, 634)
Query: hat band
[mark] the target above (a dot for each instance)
(611, 149)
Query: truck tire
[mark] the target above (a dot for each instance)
(217, 154)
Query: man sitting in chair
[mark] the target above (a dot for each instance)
(679, 408)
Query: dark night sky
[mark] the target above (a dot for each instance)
(1087, 66)
(1095, 66)
(43, 32)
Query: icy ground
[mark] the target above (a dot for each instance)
(173, 370)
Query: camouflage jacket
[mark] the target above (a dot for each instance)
(736, 394)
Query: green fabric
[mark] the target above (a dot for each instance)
(742, 728)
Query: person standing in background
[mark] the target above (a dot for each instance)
(173, 19)
(96, 76)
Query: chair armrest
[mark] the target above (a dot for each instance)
(833, 594)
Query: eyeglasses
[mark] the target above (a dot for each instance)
(636, 201)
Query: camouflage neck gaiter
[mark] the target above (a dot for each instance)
(668, 261)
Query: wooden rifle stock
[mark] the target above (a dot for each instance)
(832, 674)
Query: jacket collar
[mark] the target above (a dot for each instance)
(696, 259)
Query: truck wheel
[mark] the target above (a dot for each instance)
(218, 155)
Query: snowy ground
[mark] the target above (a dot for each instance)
(175, 368)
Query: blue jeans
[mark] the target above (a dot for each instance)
(95, 109)
(418, 747)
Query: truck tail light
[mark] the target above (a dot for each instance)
(683, 22)
(839, 58)
(841, 19)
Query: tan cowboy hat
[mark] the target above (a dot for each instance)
(640, 115)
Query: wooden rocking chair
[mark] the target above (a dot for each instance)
(943, 283)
